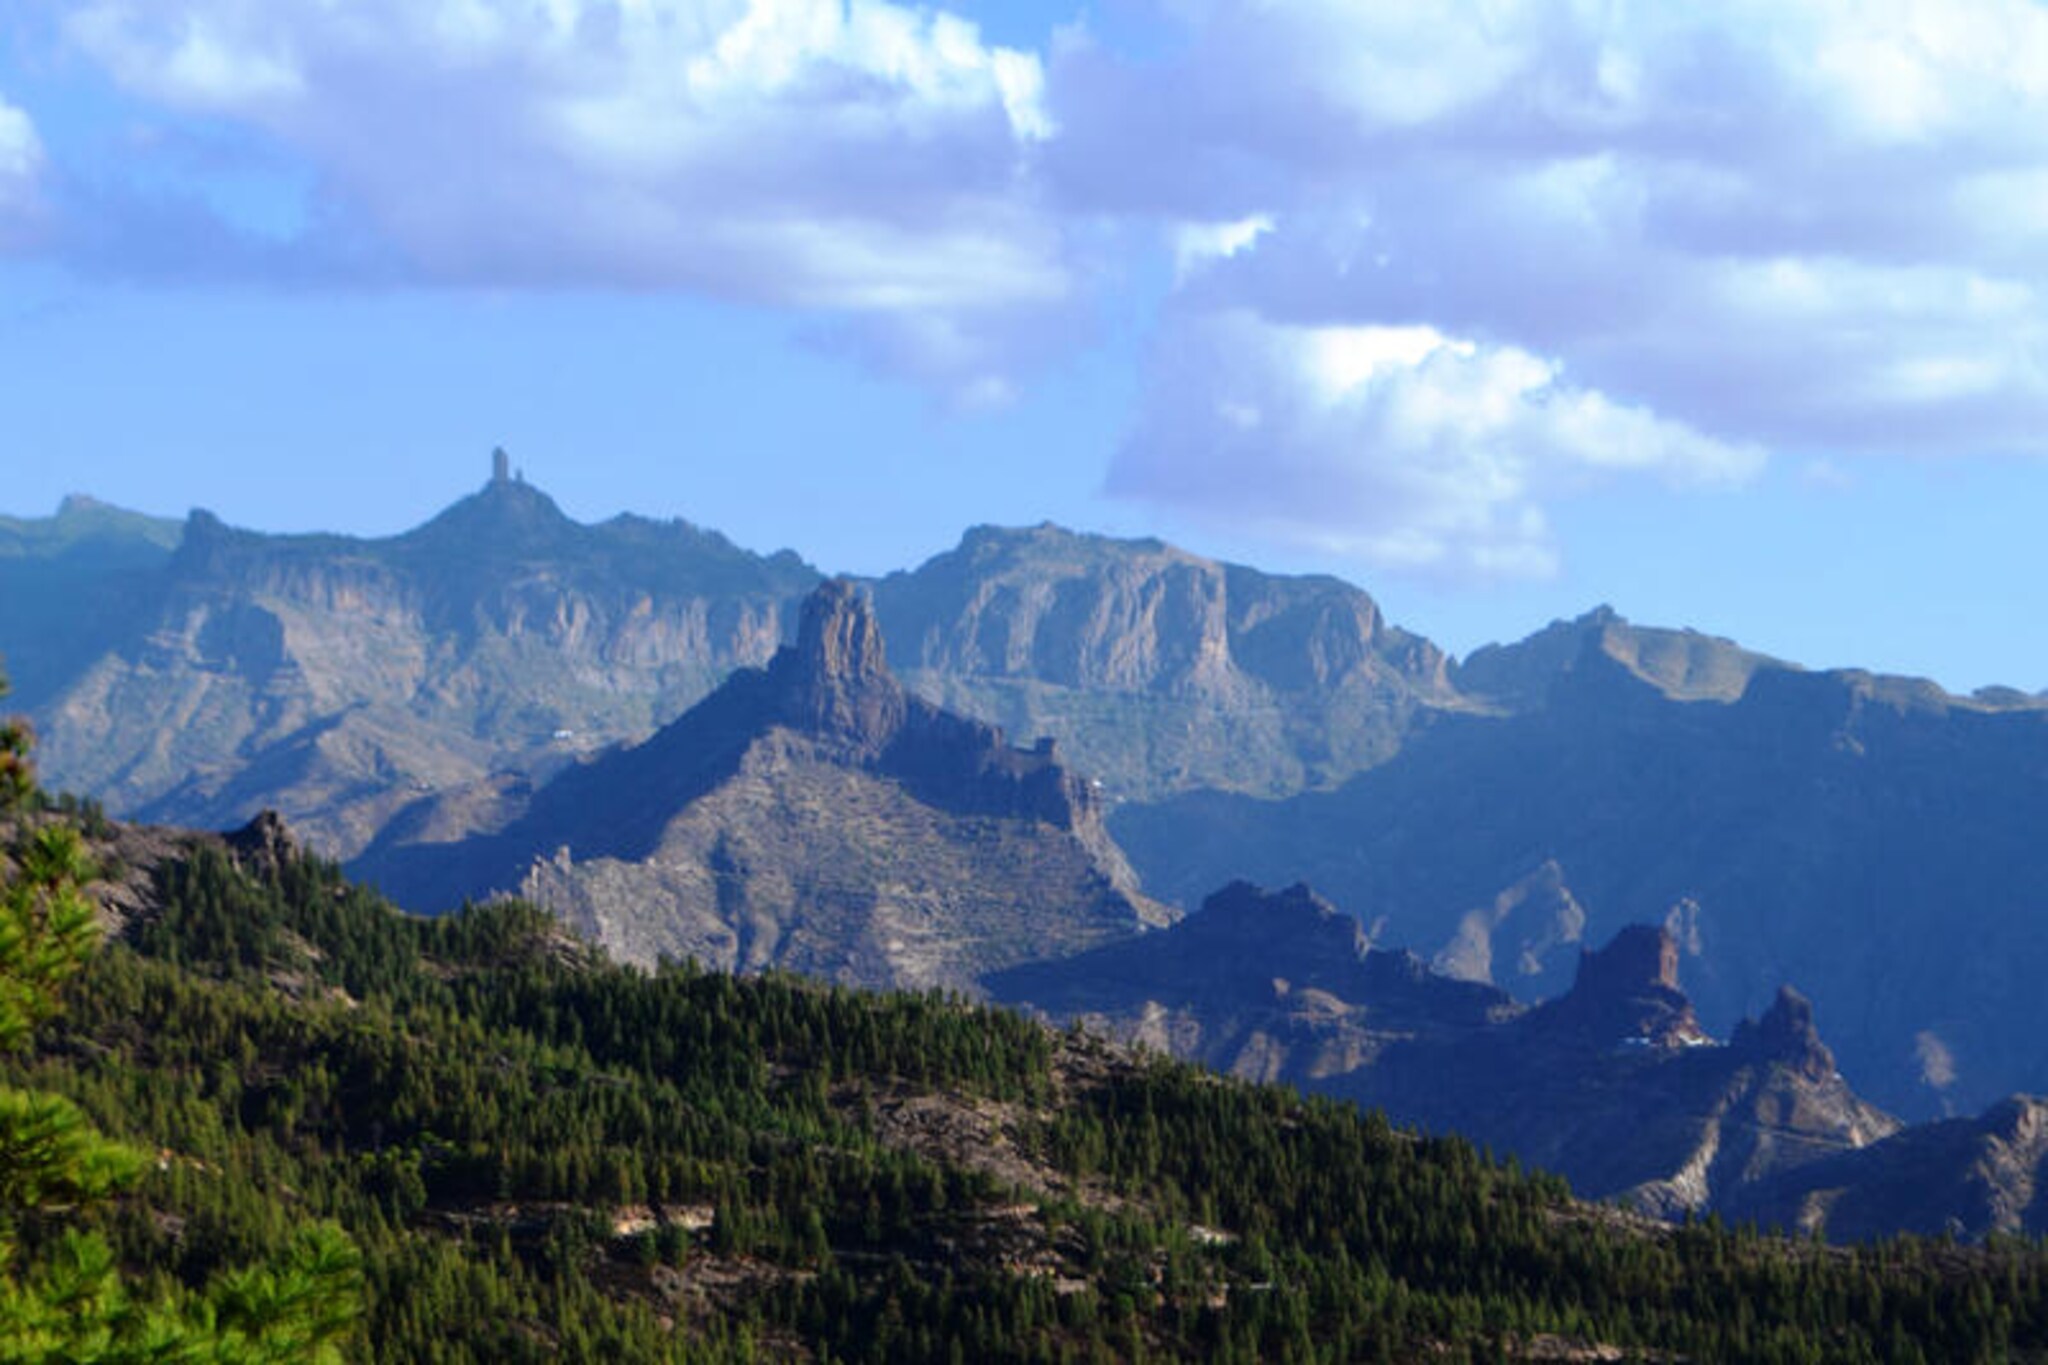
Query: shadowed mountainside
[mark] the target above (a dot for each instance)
(1613, 1084)
(1874, 839)
(1962, 1177)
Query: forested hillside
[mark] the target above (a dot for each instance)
(542, 1156)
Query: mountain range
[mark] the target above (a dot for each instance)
(340, 680)
(1867, 838)
(209, 672)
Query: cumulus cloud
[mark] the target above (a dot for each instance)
(1197, 244)
(21, 160)
(1399, 445)
(861, 158)
(1815, 227)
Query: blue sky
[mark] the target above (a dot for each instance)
(1730, 316)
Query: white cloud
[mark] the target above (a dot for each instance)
(187, 56)
(21, 151)
(865, 157)
(1814, 226)
(1401, 447)
(1196, 244)
(21, 162)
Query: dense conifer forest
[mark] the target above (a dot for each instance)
(515, 1151)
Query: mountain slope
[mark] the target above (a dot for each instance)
(813, 816)
(1875, 840)
(1958, 1177)
(69, 583)
(1269, 987)
(339, 679)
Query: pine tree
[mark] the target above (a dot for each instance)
(72, 1305)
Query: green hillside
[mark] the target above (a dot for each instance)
(544, 1157)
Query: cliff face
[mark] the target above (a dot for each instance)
(812, 816)
(1159, 669)
(341, 680)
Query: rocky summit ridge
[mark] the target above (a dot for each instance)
(811, 815)
(341, 680)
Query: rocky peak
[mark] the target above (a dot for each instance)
(1601, 649)
(202, 536)
(838, 636)
(835, 680)
(1640, 957)
(516, 504)
(1786, 1035)
(1627, 993)
(264, 845)
(506, 519)
(75, 505)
